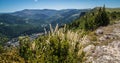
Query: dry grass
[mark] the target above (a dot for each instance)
(74, 38)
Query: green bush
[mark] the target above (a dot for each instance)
(56, 47)
(91, 20)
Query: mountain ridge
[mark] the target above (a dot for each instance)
(34, 21)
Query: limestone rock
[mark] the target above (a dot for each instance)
(106, 54)
(89, 48)
(99, 31)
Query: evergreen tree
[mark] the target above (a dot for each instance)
(102, 19)
(104, 16)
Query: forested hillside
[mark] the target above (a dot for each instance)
(30, 21)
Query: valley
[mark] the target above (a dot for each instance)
(29, 21)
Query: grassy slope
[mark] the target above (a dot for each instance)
(113, 9)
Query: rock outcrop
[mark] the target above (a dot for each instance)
(108, 48)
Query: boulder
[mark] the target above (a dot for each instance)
(89, 49)
(99, 31)
(107, 36)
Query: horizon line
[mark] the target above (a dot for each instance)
(50, 9)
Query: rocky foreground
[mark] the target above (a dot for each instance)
(104, 47)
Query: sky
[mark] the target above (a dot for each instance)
(16, 5)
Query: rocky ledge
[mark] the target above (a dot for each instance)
(107, 49)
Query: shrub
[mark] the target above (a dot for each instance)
(59, 46)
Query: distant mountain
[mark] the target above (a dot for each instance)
(30, 21)
(32, 13)
(49, 15)
(12, 26)
(10, 19)
(68, 15)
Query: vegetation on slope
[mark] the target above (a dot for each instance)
(92, 20)
(60, 45)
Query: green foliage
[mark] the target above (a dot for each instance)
(25, 48)
(59, 46)
(10, 56)
(3, 39)
(114, 16)
(102, 19)
(1, 49)
(56, 47)
(92, 20)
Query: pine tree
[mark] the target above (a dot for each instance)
(104, 16)
(101, 19)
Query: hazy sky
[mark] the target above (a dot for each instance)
(15, 5)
